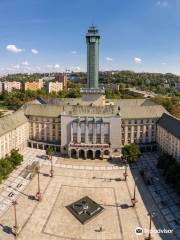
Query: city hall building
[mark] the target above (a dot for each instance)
(87, 127)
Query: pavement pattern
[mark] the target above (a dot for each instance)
(164, 195)
(101, 181)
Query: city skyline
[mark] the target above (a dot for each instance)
(135, 36)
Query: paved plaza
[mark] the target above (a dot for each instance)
(101, 181)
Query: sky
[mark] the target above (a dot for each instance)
(49, 35)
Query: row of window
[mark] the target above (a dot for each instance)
(90, 138)
(147, 121)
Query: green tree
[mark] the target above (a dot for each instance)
(49, 152)
(131, 152)
(15, 158)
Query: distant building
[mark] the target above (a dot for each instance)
(33, 86)
(113, 86)
(62, 78)
(168, 135)
(54, 87)
(147, 81)
(177, 86)
(165, 85)
(9, 86)
(1, 86)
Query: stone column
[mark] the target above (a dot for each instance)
(85, 154)
(93, 154)
(77, 153)
(102, 154)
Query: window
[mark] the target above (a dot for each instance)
(90, 128)
(98, 128)
(129, 122)
(75, 137)
(82, 126)
(90, 138)
(98, 138)
(82, 137)
(74, 128)
(106, 138)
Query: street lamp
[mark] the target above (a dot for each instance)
(15, 227)
(38, 194)
(49, 152)
(134, 200)
(52, 170)
(151, 215)
(125, 171)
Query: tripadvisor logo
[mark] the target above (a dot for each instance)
(139, 231)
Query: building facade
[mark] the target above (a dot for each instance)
(62, 78)
(9, 86)
(168, 135)
(54, 87)
(14, 132)
(33, 86)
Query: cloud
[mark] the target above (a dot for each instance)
(74, 52)
(164, 63)
(34, 51)
(162, 4)
(77, 69)
(56, 66)
(109, 59)
(12, 48)
(137, 60)
(16, 66)
(25, 63)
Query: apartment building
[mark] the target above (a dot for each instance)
(54, 86)
(33, 86)
(9, 86)
(62, 78)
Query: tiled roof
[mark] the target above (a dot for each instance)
(44, 110)
(171, 124)
(10, 122)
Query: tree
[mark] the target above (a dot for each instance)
(15, 158)
(131, 152)
(49, 152)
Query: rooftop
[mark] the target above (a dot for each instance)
(171, 124)
(10, 122)
(129, 108)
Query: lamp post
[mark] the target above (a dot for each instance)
(52, 170)
(134, 200)
(15, 227)
(49, 152)
(151, 215)
(125, 171)
(38, 194)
